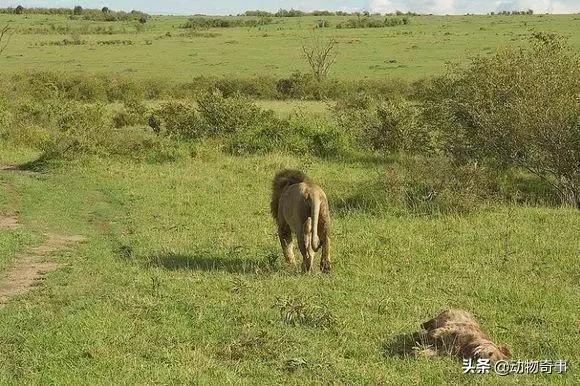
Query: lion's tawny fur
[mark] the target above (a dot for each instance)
(458, 333)
(282, 179)
(300, 206)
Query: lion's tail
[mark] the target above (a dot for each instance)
(282, 179)
(314, 213)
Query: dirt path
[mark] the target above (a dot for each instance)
(30, 267)
(9, 222)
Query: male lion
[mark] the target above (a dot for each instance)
(300, 206)
(459, 333)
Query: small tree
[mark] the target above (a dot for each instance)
(320, 54)
(5, 36)
(78, 10)
(19, 10)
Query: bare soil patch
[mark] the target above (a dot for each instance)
(30, 268)
(9, 221)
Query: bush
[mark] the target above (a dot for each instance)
(298, 134)
(178, 120)
(99, 87)
(317, 137)
(229, 115)
(132, 114)
(370, 22)
(269, 136)
(518, 108)
(67, 129)
(219, 22)
(391, 125)
(424, 186)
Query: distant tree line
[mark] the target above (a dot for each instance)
(104, 14)
(506, 13)
(201, 22)
(368, 22)
(298, 13)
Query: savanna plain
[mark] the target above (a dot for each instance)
(448, 147)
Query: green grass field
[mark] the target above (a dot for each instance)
(181, 279)
(177, 282)
(410, 52)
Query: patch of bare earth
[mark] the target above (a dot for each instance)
(9, 221)
(30, 268)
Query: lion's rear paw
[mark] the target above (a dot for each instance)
(325, 266)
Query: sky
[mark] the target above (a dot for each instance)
(225, 7)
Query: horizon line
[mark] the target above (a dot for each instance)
(348, 13)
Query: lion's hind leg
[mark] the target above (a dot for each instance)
(324, 234)
(325, 259)
(285, 235)
(305, 244)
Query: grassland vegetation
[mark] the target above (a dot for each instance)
(201, 22)
(407, 52)
(518, 108)
(5, 36)
(454, 190)
(454, 117)
(373, 22)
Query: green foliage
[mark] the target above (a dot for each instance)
(399, 128)
(298, 134)
(317, 137)
(5, 116)
(132, 114)
(373, 22)
(67, 129)
(270, 135)
(391, 125)
(177, 119)
(219, 22)
(111, 88)
(223, 115)
(424, 186)
(519, 108)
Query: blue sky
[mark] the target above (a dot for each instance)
(234, 7)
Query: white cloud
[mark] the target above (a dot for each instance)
(423, 6)
(566, 7)
(539, 6)
(382, 6)
(350, 9)
(474, 6)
